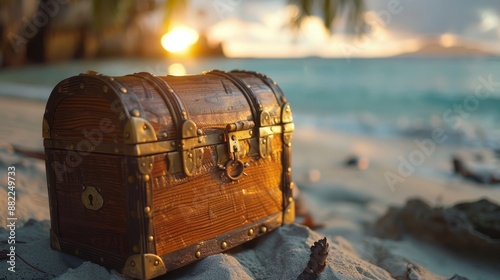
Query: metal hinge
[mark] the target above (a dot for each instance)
(265, 134)
(192, 157)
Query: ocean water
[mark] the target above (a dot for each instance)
(390, 97)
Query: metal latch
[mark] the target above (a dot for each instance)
(234, 167)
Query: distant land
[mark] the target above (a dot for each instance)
(435, 49)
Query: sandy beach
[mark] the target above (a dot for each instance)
(347, 201)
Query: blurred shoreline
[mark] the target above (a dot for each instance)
(341, 155)
(345, 200)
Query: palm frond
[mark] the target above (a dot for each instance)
(173, 10)
(111, 13)
(330, 11)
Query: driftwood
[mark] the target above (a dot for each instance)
(29, 153)
(472, 228)
(461, 169)
(317, 260)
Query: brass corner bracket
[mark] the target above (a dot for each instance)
(144, 266)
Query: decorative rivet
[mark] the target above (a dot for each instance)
(82, 86)
(136, 113)
(223, 245)
(248, 86)
(288, 144)
(190, 155)
(275, 83)
(289, 170)
(150, 165)
(197, 254)
(289, 210)
(199, 131)
(165, 135)
(264, 141)
(156, 263)
(146, 177)
(132, 263)
(151, 238)
(263, 229)
(200, 139)
(127, 135)
(250, 132)
(172, 144)
(276, 120)
(291, 185)
(290, 199)
(250, 232)
(283, 99)
(136, 250)
(147, 209)
(266, 117)
(131, 179)
(123, 90)
(145, 127)
(111, 78)
(104, 89)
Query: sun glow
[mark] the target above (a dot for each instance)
(179, 39)
(448, 40)
(176, 69)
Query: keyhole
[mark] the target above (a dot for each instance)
(90, 200)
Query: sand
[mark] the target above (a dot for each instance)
(346, 200)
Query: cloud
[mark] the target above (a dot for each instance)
(260, 28)
(429, 17)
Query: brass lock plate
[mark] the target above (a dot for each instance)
(91, 198)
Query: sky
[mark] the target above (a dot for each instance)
(260, 28)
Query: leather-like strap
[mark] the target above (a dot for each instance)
(278, 93)
(171, 99)
(286, 159)
(253, 101)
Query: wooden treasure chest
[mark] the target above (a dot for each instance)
(146, 174)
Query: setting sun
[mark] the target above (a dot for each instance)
(447, 40)
(179, 39)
